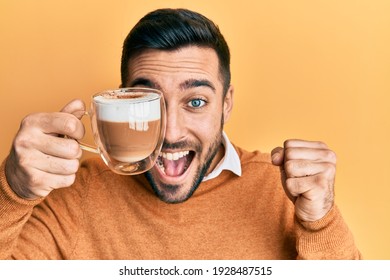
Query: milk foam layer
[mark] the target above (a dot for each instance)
(142, 109)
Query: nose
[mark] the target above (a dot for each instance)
(175, 124)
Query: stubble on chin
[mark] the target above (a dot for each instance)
(180, 193)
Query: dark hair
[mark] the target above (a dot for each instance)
(171, 29)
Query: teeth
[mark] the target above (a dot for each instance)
(174, 156)
(171, 156)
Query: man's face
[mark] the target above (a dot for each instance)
(196, 110)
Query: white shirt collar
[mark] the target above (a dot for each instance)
(230, 161)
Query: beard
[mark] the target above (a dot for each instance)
(168, 192)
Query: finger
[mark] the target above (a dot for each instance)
(313, 187)
(277, 156)
(59, 147)
(75, 107)
(42, 183)
(54, 123)
(32, 136)
(301, 168)
(36, 183)
(53, 165)
(313, 154)
(27, 143)
(27, 170)
(296, 143)
(66, 124)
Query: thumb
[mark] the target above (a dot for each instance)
(277, 156)
(76, 107)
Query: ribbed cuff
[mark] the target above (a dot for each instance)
(329, 234)
(9, 200)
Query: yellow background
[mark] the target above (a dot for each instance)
(316, 70)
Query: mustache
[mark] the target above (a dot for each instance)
(182, 145)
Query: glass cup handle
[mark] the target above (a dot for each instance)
(83, 146)
(88, 148)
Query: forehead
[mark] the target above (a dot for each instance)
(184, 63)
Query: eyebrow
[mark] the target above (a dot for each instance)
(188, 84)
(144, 82)
(193, 83)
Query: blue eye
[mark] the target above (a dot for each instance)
(197, 103)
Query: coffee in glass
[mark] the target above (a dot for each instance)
(129, 127)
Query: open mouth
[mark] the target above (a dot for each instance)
(175, 164)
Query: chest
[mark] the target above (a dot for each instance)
(213, 226)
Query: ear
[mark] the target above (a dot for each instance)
(228, 104)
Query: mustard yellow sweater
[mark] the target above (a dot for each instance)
(108, 216)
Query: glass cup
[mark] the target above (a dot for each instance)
(128, 126)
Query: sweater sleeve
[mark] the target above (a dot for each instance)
(14, 213)
(328, 238)
(44, 228)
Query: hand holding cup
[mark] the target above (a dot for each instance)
(128, 126)
(41, 159)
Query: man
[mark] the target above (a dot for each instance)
(204, 199)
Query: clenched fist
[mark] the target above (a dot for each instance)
(41, 159)
(308, 176)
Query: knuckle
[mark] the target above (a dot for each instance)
(67, 180)
(23, 140)
(19, 141)
(23, 161)
(331, 156)
(28, 120)
(288, 153)
(35, 181)
(292, 186)
(289, 167)
(73, 148)
(330, 170)
(321, 144)
(287, 143)
(70, 126)
(73, 166)
(296, 167)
